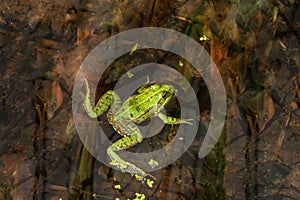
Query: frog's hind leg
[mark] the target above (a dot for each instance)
(103, 104)
(124, 143)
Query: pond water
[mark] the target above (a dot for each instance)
(249, 50)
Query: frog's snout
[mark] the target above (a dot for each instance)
(175, 91)
(171, 88)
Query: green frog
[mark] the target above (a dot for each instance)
(147, 102)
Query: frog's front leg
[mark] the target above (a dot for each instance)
(127, 141)
(103, 103)
(173, 120)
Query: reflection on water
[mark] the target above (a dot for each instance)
(255, 45)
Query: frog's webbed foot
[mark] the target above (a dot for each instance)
(173, 120)
(103, 104)
(138, 173)
(124, 143)
(186, 121)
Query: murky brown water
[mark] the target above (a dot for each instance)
(255, 45)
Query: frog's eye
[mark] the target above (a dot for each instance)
(164, 95)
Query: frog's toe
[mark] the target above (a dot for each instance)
(138, 173)
(140, 177)
(186, 121)
(143, 177)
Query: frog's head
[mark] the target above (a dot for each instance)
(164, 93)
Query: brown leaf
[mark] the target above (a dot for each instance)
(56, 99)
(281, 138)
(267, 112)
(297, 82)
(83, 34)
(47, 43)
(271, 108)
